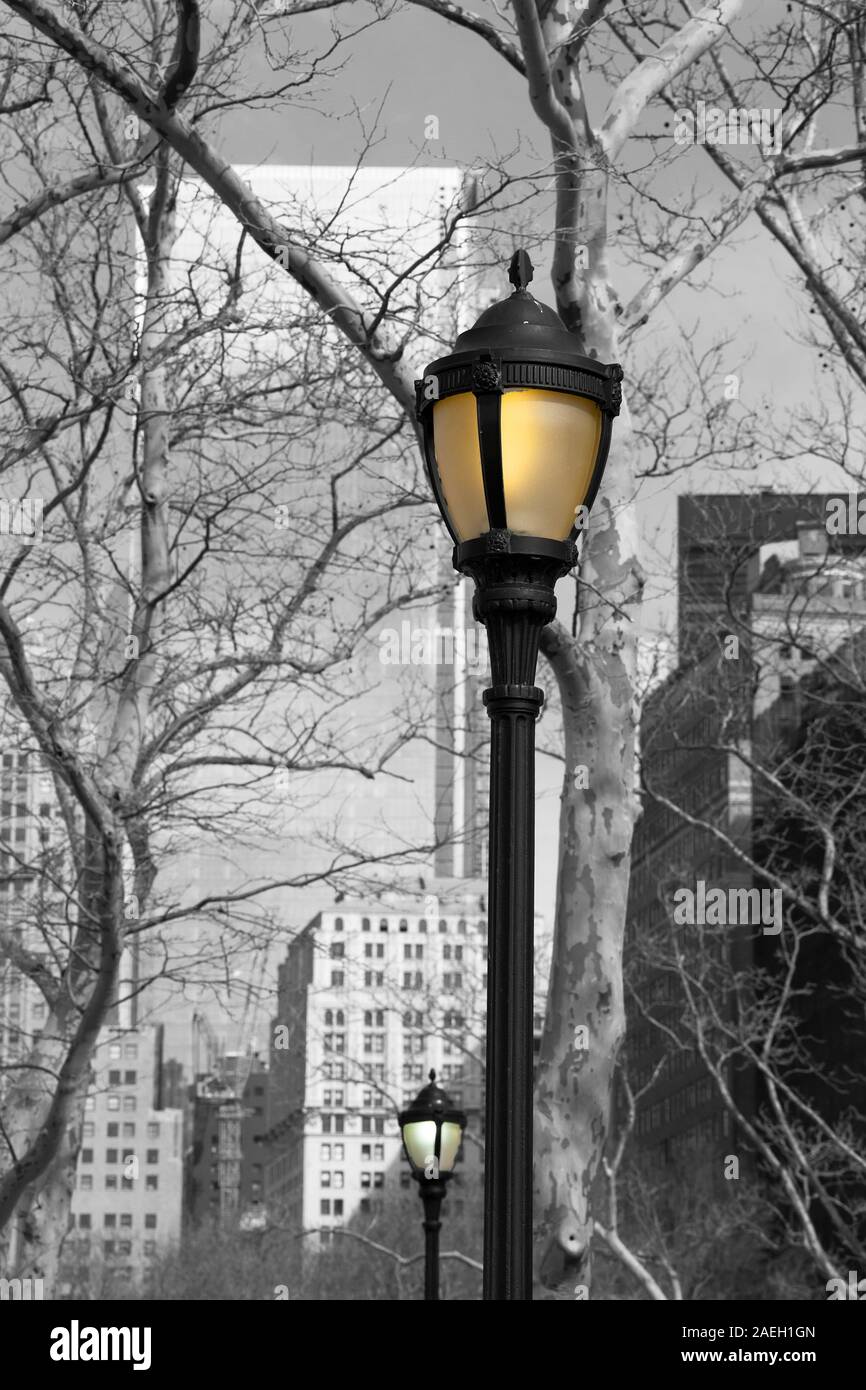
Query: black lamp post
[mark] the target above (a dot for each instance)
(516, 428)
(432, 1130)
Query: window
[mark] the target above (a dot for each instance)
(380, 951)
(338, 1178)
(325, 1179)
(129, 1078)
(114, 1078)
(368, 949)
(129, 1103)
(152, 1156)
(378, 1179)
(150, 1221)
(111, 1155)
(338, 924)
(407, 951)
(329, 1018)
(108, 1247)
(88, 1129)
(153, 1129)
(365, 924)
(84, 1221)
(379, 1153)
(325, 1206)
(366, 1180)
(113, 1102)
(85, 1182)
(324, 1153)
(404, 925)
(338, 979)
(130, 1051)
(461, 926)
(89, 1102)
(443, 925)
(151, 1182)
(109, 1219)
(338, 950)
(126, 1219)
(129, 1129)
(422, 925)
(383, 923)
(111, 1182)
(338, 1206)
(86, 1155)
(113, 1052)
(339, 1152)
(150, 1247)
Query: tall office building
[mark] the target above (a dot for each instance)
(127, 1201)
(31, 900)
(369, 1001)
(767, 599)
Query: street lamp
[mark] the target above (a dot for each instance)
(432, 1130)
(516, 427)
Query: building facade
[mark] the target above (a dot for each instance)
(766, 599)
(369, 1001)
(127, 1201)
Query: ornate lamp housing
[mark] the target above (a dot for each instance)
(432, 1129)
(516, 427)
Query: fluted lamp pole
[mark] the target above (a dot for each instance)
(516, 427)
(432, 1129)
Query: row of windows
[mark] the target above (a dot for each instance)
(112, 1129)
(85, 1182)
(112, 1219)
(403, 924)
(113, 1155)
(113, 1103)
(376, 950)
(114, 1078)
(129, 1051)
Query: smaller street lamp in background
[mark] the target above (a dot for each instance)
(432, 1130)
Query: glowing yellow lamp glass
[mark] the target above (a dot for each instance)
(458, 459)
(419, 1136)
(452, 1136)
(550, 443)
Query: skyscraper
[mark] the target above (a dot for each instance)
(767, 598)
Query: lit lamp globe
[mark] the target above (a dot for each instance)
(516, 427)
(432, 1129)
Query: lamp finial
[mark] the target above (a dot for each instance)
(520, 271)
(432, 1076)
